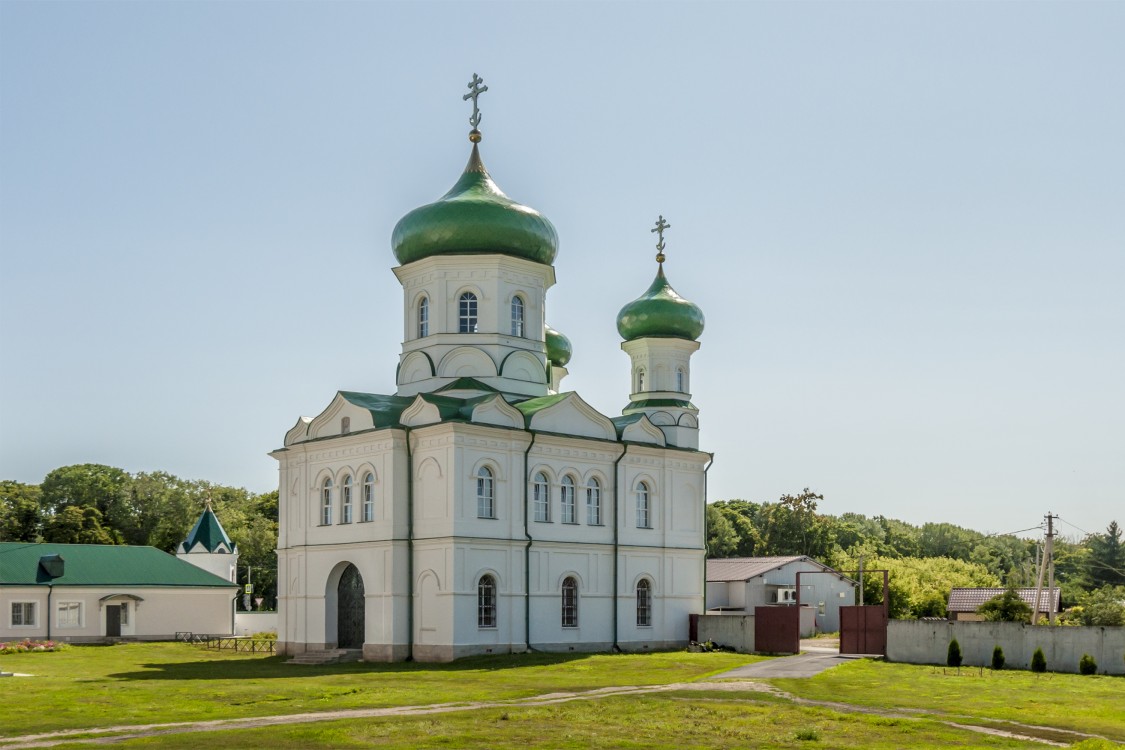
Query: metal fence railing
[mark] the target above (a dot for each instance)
(229, 643)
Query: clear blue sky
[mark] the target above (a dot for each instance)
(905, 223)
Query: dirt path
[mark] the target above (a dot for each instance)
(108, 735)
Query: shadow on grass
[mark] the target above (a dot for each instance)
(275, 667)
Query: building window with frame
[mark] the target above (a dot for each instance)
(369, 497)
(594, 503)
(69, 614)
(124, 613)
(486, 602)
(467, 313)
(644, 506)
(346, 500)
(680, 380)
(569, 507)
(570, 602)
(423, 317)
(486, 493)
(23, 615)
(517, 316)
(541, 497)
(640, 381)
(326, 503)
(644, 603)
(345, 425)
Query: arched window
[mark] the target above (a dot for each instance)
(486, 602)
(346, 500)
(326, 503)
(486, 500)
(541, 496)
(680, 380)
(569, 508)
(467, 313)
(644, 507)
(570, 603)
(369, 497)
(640, 381)
(594, 503)
(423, 318)
(517, 316)
(644, 603)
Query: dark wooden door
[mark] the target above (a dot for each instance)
(777, 630)
(113, 621)
(350, 610)
(863, 630)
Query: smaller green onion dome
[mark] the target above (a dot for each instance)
(660, 312)
(559, 349)
(475, 218)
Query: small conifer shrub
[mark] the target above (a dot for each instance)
(997, 658)
(1087, 665)
(1038, 661)
(953, 656)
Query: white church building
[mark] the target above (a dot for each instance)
(480, 508)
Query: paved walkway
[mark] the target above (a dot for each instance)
(817, 655)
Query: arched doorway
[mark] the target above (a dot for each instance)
(350, 609)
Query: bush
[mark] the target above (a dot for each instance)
(1038, 661)
(1087, 665)
(19, 647)
(997, 658)
(953, 656)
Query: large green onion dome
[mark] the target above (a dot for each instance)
(660, 312)
(473, 218)
(559, 349)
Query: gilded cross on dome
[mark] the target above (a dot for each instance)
(661, 225)
(475, 90)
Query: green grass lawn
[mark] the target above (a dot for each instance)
(93, 686)
(1093, 704)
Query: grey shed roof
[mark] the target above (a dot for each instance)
(968, 600)
(745, 568)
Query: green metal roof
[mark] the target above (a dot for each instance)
(208, 532)
(559, 348)
(385, 410)
(652, 403)
(467, 384)
(660, 313)
(475, 218)
(100, 565)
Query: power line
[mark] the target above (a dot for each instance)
(1013, 533)
(1068, 523)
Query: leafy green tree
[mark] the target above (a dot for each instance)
(19, 512)
(997, 658)
(1038, 661)
(722, 541)
(1107, 557)
(104, 488)
(1007, 607)
(79, 524)
(1087, 665)
(919, 587)
(791, 526)
(1104, 607)
(953, 655)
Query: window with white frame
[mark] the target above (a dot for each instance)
(69, 614)
(326, 502)
(23, 614)
(517, 316)
(486, 602)
(680, 380)
(541, 497)
(644, 603)
(594, 503)
(346, 500)
(369, 497)
(423, 318)
(570, 602)
(644, 506)
(640, 381)
(569, 507)
(486, 497)
(467, 313)
(124, 613)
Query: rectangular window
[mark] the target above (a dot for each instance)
(594, 505)
(486, 507)
(569, 511)
(125, 613)
(70, 614)
(23, 614)
(542, 493)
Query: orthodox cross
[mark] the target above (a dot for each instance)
(661, 225)
(475, 90)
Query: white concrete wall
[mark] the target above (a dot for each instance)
(729, 631)
(927, 642)
(249, 623)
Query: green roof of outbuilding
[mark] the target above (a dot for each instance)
(475, 218)
(208, 532)
(100, 565)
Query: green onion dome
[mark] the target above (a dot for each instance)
(475, 218)
(559, 349)
(660, 312)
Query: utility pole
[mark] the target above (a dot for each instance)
(1051, 566)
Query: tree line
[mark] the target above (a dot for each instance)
(96, 504)
(925, 561)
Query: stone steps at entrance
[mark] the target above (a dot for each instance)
(328, 656)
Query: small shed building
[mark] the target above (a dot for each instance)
(739, 584)
(964, 602)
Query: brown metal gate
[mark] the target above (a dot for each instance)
(863, 630)
(777, 630)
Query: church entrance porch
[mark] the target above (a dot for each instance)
(350, 609)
